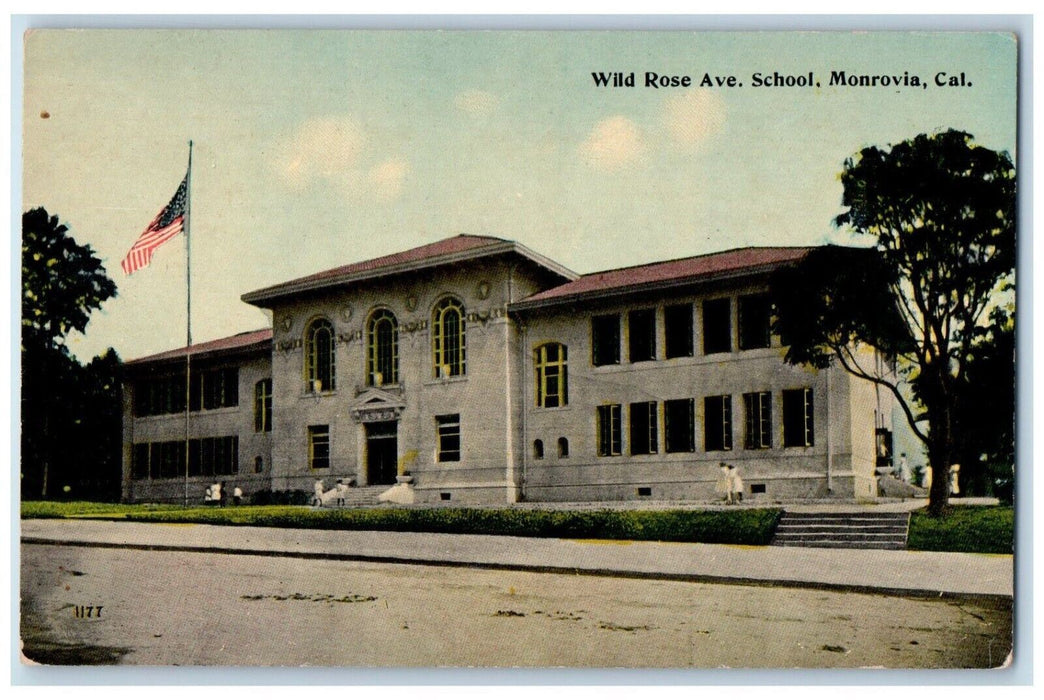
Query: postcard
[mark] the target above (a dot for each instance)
(498, 349)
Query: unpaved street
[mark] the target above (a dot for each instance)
(192, 608)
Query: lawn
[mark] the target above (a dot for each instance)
(740, 526)
(985, 529)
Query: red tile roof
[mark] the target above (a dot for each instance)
(239, 342)
(448, 250)
(652, 275)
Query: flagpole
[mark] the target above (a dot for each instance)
(188, 319)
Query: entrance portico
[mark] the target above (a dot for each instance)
(377, 412)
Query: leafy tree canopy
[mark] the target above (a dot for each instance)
(938, 213)
(62, 281)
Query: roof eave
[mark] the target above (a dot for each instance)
(270, 294)
(251, 349)
(625, 290)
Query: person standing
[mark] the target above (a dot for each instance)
(317, 500)
(222, 495)
(237, 496)
(723, 486)
(735, 484)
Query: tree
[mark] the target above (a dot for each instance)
(62, 283)
(939, 212)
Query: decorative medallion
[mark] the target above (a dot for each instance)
(287, 323)
(483, 289)
(346, 312)
(411, 303)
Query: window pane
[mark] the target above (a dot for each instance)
(797, 418)
(448, 433)
(717, 326)
(677, 326)
(643, 428)
(717, 423)
(605, 340)
(641, 335)
(755, 314)
(679, 425)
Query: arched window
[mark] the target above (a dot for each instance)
(538, 449)
(319, 356)
(447, 334)
(382, 348)
(563, 447)
(552, 382)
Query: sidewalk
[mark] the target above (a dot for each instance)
(879, 571)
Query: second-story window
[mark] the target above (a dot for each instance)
(605, 340)
(319, 356)
(447, 335)
(552, 379)
(382, 349)
(641, 335)
(755, 315)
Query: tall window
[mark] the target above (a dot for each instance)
(797, 418)
(644, 437)
(551, 376)
(263, 406)
(609, 432)
(717, 423)
(679, 425)
(677, 328)
(319, 446)
(758, 406)
(538, 449)
(319, 356)
(717, 326)
(641, 335)
(447, 324)
(382, 349)
(448, 433)
(563, 447)
(755, 315)
(605, 340)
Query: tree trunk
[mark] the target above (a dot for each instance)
(940, 451)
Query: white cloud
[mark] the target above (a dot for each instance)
(613, 143)
(692, 117)
(386, 178)
(476, 102)
(322, 148)
(336, 152)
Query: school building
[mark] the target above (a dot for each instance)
(475, 370)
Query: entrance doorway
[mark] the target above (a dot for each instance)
(382, 446)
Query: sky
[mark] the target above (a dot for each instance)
(314, 149)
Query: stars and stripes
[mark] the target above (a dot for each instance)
(167, 224)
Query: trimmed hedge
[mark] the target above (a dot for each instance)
(739, 526)
(983, 529)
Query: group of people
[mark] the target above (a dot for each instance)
(338, 492)
(730, 485)
(216, 493)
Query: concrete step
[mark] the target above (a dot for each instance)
(854, 530)
(357, 496)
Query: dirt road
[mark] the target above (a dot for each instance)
(190, 608)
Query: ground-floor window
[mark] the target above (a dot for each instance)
(319, 446)
(212, 456)
(609, 433)
(679, 425)
(717, 423)
(644, 437)
(448, 432)
(797, 418)
(758, 407)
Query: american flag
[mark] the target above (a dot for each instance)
(167, 224)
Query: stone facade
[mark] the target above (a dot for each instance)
(533, 411)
